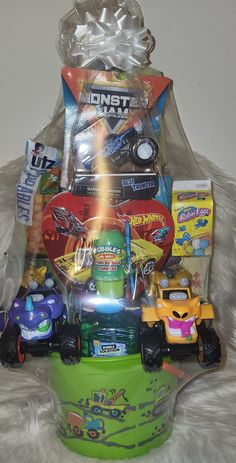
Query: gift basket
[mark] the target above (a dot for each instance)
(107, 272)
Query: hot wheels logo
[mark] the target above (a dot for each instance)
(189, 213)
(142, 219)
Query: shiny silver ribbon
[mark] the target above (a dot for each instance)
(114, 38)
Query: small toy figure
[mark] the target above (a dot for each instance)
(178, 327)
(37, 325)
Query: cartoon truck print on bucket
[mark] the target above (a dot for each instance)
(100, 402)
(79, 425)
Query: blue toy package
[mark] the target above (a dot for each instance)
(121, 109)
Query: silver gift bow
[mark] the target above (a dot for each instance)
(117, 39)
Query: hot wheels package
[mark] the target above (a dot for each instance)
(105, 281)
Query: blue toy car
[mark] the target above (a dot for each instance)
(37, 325)
(130, 146)
(159, 234)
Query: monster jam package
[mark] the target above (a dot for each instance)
(112, 129)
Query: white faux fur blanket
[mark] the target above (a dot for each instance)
(205, 420)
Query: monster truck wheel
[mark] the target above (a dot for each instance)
(10, 347)
(209, 349)
(97, 410)
(151, 353)
(149, 266)
(115, 413)
(77, 431)
(143, 151)
(59, 322)
(93, 434)
(69, 344)
(91, 286)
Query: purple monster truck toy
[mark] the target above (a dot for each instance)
(37, 325)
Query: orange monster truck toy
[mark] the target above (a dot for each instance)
(179, 326)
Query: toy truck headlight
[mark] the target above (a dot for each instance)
(49, 283)
(164, 283)
(184, 282)
(33, 285)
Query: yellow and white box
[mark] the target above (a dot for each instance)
(192, 212)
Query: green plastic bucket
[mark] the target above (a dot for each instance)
(111, 408)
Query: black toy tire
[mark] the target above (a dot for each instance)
(96, 410)
(90, 286)
(10, 347)
(115, 413)
(135, 156)
(69, 344)
(93, 434)
(151, 353)
(77, 431)
(209, 348)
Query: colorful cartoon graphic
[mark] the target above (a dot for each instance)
(192, 211)
(108, 418)
(79, 425)
(106, 401)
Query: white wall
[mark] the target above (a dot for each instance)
(195, 46)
